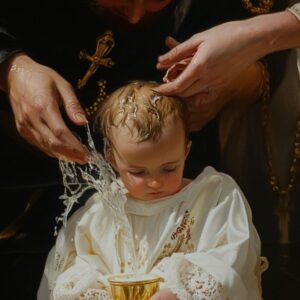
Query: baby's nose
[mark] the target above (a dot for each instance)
(155, 183)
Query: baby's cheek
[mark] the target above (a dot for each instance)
(135, 184)
(174, 182)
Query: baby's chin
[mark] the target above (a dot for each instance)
(153, 195)
(158, 195)
(148, 197)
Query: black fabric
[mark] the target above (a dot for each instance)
(53, 32)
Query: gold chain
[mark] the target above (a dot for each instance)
(273, 178)
(263, 7)
(92, 109)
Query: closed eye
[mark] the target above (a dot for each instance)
(169, 169)
(137, 172)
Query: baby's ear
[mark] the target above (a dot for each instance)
(188, 148)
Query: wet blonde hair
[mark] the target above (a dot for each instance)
(142, 110)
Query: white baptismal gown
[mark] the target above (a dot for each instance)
(200, 240)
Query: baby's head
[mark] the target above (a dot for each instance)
(146, 139)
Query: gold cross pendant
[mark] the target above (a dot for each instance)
(105, 43)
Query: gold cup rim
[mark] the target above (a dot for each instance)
(136, 282)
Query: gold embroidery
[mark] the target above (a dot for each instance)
(58, 261)
(262, 7)
(105, 43)
(261, 266)
(180, 239)
(118, 249)
(187, 221)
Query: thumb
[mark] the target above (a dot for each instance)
(72, 106)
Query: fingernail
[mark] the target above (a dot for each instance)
(80, 117)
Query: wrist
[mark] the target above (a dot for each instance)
(7, 66)
(271, 32)
(282, 31)
(255, 35)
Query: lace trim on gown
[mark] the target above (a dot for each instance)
(190, 282)
(85, 284)
(95, 294)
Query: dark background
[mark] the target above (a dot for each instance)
(53, 33)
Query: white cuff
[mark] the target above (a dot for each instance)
(295, 10)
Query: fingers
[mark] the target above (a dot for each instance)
(200, 108)
(33, 137)
(197, 87)
(186, 78)
(35, 92)
(175, 70)
(42, 125)
(197, 120)
(71, 104)
(62, 142)
(171, 42)
(55, 141)
(179, 52)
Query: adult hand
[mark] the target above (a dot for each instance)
(204, 106)
(216, 56)
(36, 92)
(164, 294)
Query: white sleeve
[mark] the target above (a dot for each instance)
(82, 282)
(226, 258)
(295, 10)
(68, 275)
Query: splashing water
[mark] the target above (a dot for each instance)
(97, 174)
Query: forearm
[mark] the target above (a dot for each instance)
(286, 31)
(273, 32)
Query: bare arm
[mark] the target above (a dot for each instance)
(222, 52)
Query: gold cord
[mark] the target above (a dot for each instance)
(263, 6)
(273, 177)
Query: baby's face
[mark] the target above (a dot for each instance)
(150, 169)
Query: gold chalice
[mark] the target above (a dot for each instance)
(134, 286)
